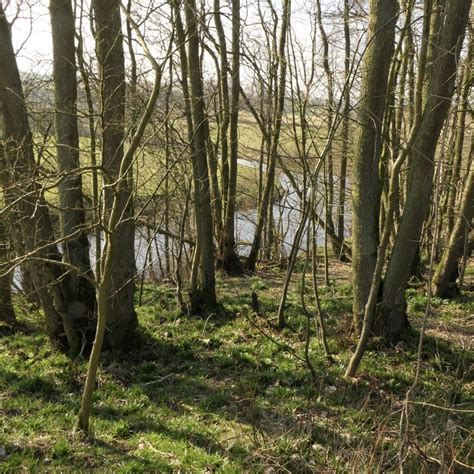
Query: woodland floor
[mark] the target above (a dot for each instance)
(225, 392)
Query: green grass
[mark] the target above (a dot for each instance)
(148, 174)
(215, 394)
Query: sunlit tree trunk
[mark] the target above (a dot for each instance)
(366, 186)
(345, 129)
(92, 145)
(121, 316)
(225, 103)
(328, 163)
(266, 201)
(204, 295)
(113, 231)
(19, 173)
(392, 318)
(230, 259)
(73, 215)
(465, 88)
(447, 272)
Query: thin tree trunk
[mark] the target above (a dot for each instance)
(7, 313)
(167, 171)
(460, 132)
(447, 272)
(328, 164)
(306, 206)
(314, 267)
(205, 293)
(183, 59)
(113, 232)
(275, 137)
(93, 148)
(225, 104)
(230, 259)
(345, 131)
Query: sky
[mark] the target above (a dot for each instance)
(31, 32)
(31, 35)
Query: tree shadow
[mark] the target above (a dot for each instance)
(190, 379)
(196, 377)
(34, 386)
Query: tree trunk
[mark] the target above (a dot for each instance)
(345, 131)
(392, 318)
(230, 259)
(93, 148)
(121, 316)
(204, 295)
(73, 216)
(225, 104)
(7, 314)
(463, 106)
(183, 59)
(275, 138)
(30, 208)
(366, 186)
(328, 163)
(447, 272)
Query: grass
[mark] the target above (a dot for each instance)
(152, 160)
(215, 394)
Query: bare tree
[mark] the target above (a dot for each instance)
(121, 316)
(71, 202)
(446, 50)
(447, 272)
(366, 187)
(35, 241)
(266, 204)
(203, 294)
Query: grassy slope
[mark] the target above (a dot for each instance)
(150, 171)
(213, 393)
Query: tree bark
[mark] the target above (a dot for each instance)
(21, 188)
(7, 313)
(366, 187)
(465, 88)
(204, 295)
(121, 316)
(392, 318)
(275, 137)
(345, 131)
(93, 148)
(328, 163)
(230, 260)
(447, 272)
(225, 104)
(73, 215)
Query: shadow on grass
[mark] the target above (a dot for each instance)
(34, 386)
(198, 376)
(191, 379)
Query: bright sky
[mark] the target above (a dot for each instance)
(32, 36)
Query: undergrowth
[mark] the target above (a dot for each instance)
(228, 392)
